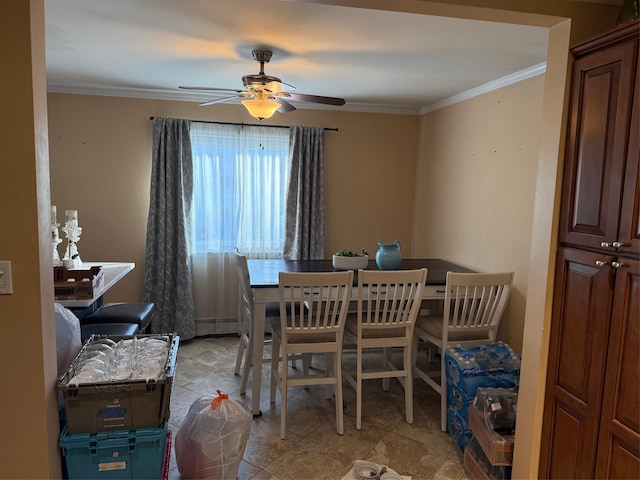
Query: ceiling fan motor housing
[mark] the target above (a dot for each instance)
(258, 80)
(262, 56)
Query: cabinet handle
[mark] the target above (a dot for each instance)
(600, 263)
(606, 244)
(618, 244)
(616, 264)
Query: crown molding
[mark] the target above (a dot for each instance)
(186, 96)
(516, 77)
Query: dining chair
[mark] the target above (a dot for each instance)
(245, 346)
(388, 305)
(474, 304)
(314, 324)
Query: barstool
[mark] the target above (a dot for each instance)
(109, 329)
(138, 314)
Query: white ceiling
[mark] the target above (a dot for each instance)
(376, 60)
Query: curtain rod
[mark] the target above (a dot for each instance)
(253, 124)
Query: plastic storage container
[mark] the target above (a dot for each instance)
(119, 454)
(99, 401)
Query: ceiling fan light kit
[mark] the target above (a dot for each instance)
(264, 94)
(261, 109)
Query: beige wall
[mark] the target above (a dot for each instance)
(476, 186)
(27, 341)
(100, 150)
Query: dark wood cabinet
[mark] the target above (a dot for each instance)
(629, 232)
(618, 445)
(591, 424)
(600, 173)
(580, 322)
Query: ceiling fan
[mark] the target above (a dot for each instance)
(264, 94)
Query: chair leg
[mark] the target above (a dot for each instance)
(386, 358)
(443, 395)
(306, 363)
(408, 384)
(329, 361)
(283, 395)
(241, 348)
(247, 364)
(275, 376)
(414, 355)
(359, 390)
(337, 365)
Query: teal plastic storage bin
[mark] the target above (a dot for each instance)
(118, 454)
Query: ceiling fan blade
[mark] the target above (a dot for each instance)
(212, 89)
(284, 105)
(303, 97)
(276, 87)
(220, 100)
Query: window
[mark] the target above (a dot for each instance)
(240, 175)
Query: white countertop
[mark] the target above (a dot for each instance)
(113, 273)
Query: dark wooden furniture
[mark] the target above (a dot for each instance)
(264, 273)
(591, 425)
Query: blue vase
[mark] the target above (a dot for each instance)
(388, 256)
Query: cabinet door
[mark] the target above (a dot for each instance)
(577, 352)
(601, 94)
(630, 213)
(618, 455)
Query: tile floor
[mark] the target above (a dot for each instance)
(313, 450)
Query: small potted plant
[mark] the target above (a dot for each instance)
(350, 260)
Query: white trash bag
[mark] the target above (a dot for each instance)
(68, 341)
(212, 438)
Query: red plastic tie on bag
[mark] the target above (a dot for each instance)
(216, 401)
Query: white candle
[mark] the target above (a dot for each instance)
(71, 215)
(54, 215)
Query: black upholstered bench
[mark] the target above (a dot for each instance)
(139, 314)
(110, 329)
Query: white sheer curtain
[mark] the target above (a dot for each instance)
(240, 175)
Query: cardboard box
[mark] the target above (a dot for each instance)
(478, 466)
(497, 448)
(77, 284)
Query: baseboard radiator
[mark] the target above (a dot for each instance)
(216, 326)
(221, 326)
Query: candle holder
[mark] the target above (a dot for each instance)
(71, 255)
(55, 241)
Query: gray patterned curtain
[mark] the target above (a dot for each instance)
(305, 198)
(167, 275)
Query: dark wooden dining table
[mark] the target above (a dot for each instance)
(264, 283)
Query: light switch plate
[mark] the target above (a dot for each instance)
(6, 284)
